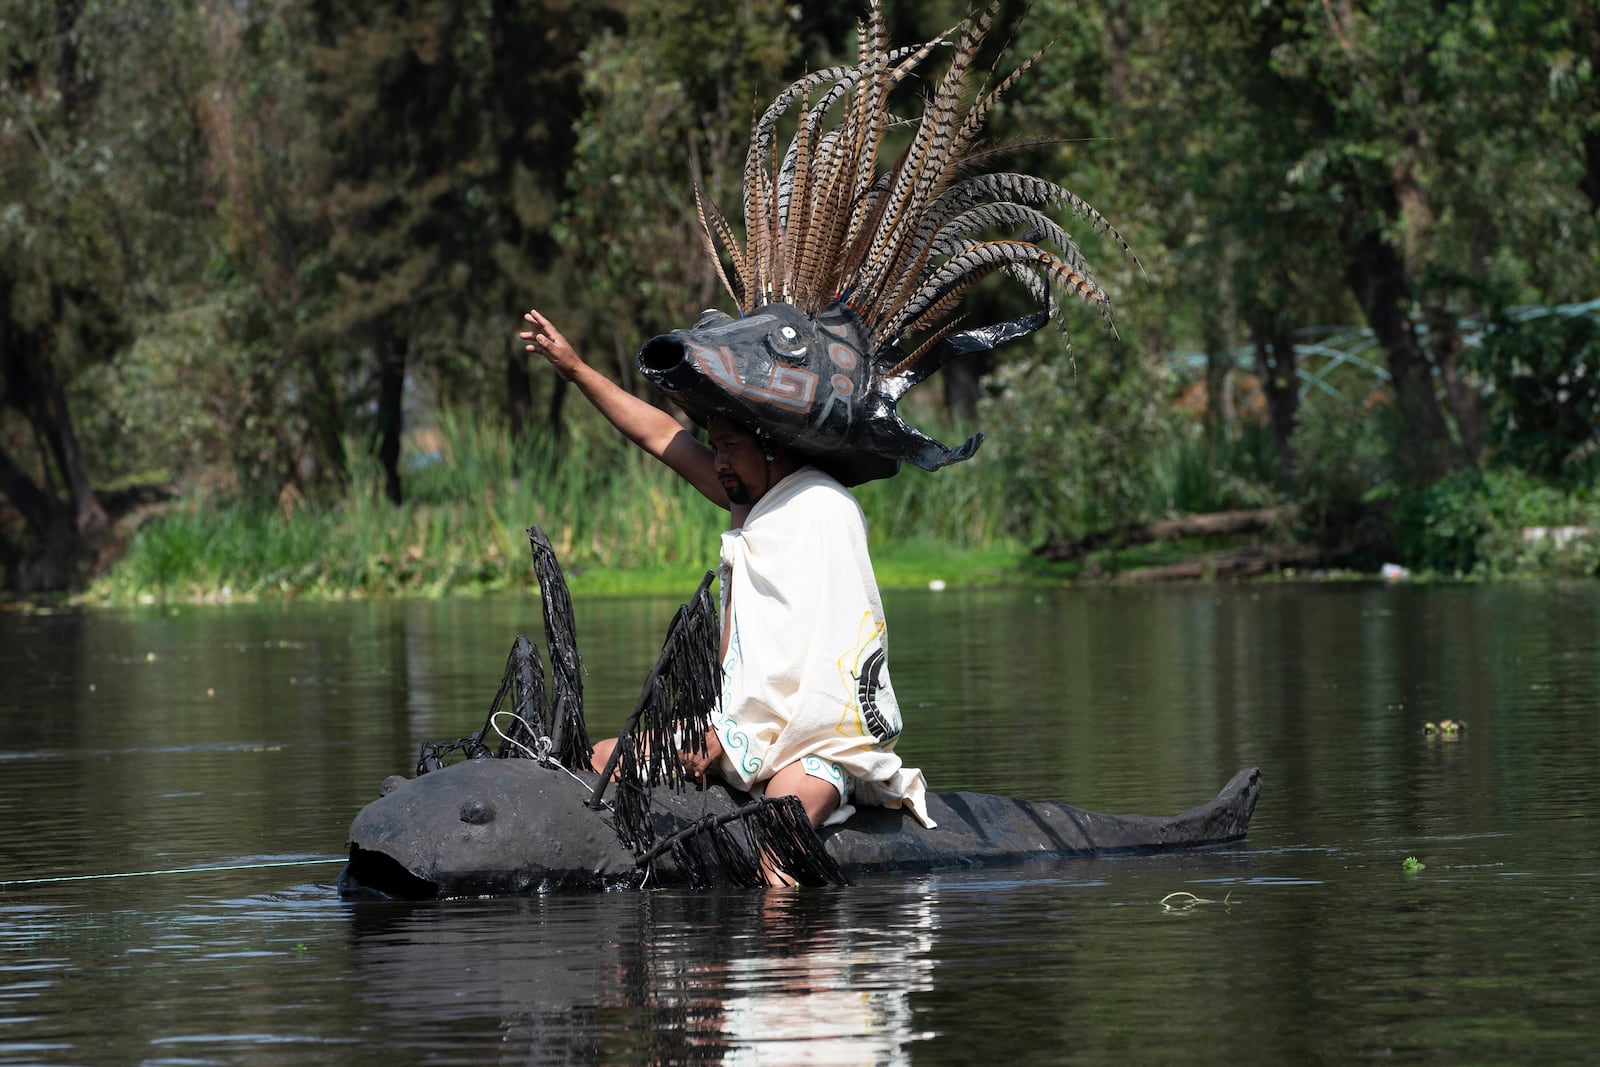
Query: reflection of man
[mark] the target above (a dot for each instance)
(807, 707)
(837, 991)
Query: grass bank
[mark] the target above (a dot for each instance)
(620, 523)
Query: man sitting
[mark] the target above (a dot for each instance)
(807, 707)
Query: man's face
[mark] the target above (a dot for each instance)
(739, 462)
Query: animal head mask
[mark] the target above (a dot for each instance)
(850, 275)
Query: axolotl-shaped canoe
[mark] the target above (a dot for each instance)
(499, 827)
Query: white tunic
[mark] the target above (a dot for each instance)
(806, 672)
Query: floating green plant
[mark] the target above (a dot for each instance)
(1412, 865)
(1183, 900)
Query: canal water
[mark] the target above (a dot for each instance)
(176, 783)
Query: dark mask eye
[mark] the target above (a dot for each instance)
(787, 344)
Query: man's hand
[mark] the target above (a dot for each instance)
(696, 764)
(547, 341)
(649, 427)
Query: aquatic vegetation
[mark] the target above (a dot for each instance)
(621, 522)
(1183, 900)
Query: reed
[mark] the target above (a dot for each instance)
(618, 520)
(1194, 472)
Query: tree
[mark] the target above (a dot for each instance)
(444, 132)
(1419, 151)
(94, 138)
(282, 382)
(1301, 161)
(656, 110)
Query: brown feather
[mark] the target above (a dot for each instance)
(716, 235)
(903, 243)
(923, 348)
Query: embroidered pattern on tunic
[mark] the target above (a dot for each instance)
(862, 675)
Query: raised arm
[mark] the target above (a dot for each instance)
(646, 425)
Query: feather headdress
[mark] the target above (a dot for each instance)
(852, 268)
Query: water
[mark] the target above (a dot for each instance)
(246, 738)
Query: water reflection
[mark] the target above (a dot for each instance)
(839, 992)
(158, 740)
(735, 978)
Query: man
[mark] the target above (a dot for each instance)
(807, 708)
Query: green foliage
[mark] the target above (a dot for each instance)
(1345, 456)
(1497, 523)
(93, 121)
(1441, 527)
(653, 104)
(618, 521)
(270, 278)
(954, 508)
(1544, 401)
(162, 403)
(1073, 440)
(1194, 472)
(214, 217)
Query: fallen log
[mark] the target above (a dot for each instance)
(1234, 563)
(1219, 523)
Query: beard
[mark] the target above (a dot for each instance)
(738, 492)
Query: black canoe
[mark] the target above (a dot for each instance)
(498, 827)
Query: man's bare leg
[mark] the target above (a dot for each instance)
(819, 798)
(698, 765)
(602, 752)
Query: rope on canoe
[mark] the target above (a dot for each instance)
(534, 727)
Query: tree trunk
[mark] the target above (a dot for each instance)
(32, 387)
(89, 518)
(1256, 520)
(1587, 44)
(391, 401)
(73, 90)
(1280, 384)
(1249, 562)
(1376, 273)
(1214, 335)
(1590, 181)
(1464, 399)
(33, 503)
(963, 386)
(558, 397)
(519, 391)
(1119, 38)
(327, 424)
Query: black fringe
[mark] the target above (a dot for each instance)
(631, 806)
(673, 714)
(568, 730)
(783, 833)
(709, 852)
(523, 681)
(436, 754)
(711, 855)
